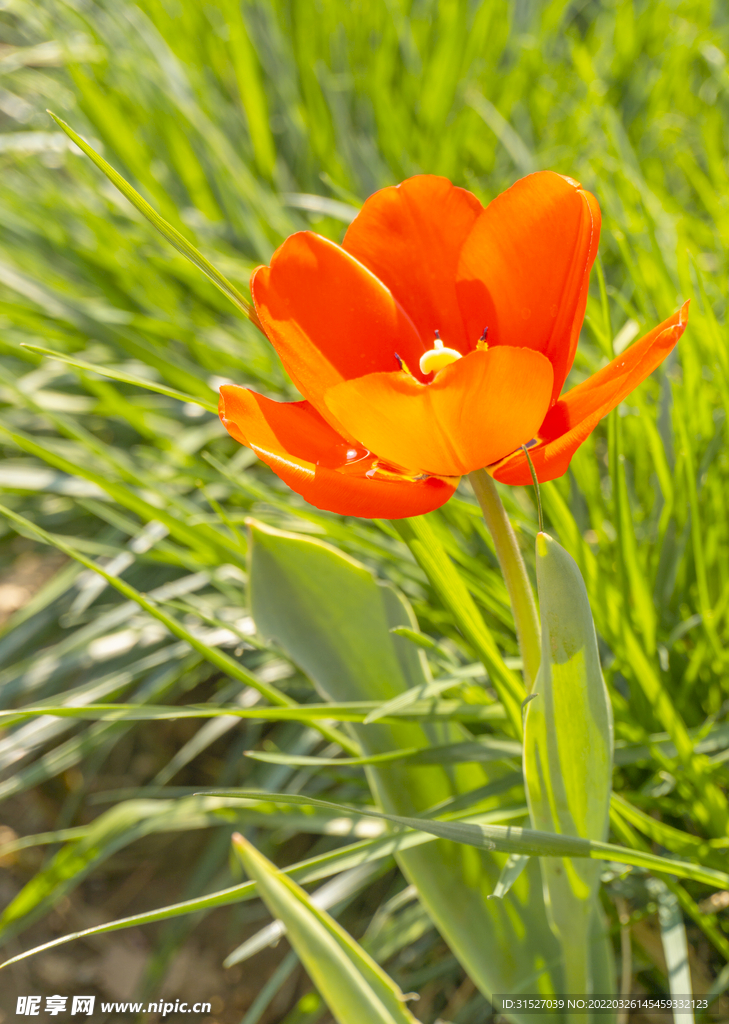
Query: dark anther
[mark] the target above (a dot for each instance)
(483, 336)
(399, 360)
(437, 334)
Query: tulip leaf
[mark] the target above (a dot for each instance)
(336, 893)
(355, 988)
(568, 745)
(334, 620)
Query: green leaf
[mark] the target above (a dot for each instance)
(568, 745)
(173, 236)
(354, 987)
(335, 621)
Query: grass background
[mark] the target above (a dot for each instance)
(242, 123)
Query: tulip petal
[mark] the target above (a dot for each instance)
(329, 318)
(308, 455)
(525, 267)
(411, 235)
(488, 402)
(576, 414)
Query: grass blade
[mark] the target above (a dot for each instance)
(171, 234)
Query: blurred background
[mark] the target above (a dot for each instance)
(242, 122)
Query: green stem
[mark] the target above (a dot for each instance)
(514, 570)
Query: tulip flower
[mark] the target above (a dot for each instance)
(433, 342)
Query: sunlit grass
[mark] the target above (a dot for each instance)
(228, 119)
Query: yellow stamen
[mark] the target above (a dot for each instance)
(438, 357)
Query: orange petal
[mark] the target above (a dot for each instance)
(328, 317)
(302, 449)
(525, 267)
(475, 411)
(411, 236)
(576, 414)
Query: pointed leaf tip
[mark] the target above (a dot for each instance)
(543, 544)
(354, 986)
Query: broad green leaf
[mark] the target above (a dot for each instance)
(568, 745)
(354, 987)
(337, 891)
(334, 620)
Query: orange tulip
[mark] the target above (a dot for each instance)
(434, 341)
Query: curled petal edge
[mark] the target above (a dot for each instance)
(576, 414)
(312, 459)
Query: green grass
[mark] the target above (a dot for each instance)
(241, 124)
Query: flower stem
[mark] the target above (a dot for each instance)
(514, 570)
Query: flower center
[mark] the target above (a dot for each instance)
(438, 357)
